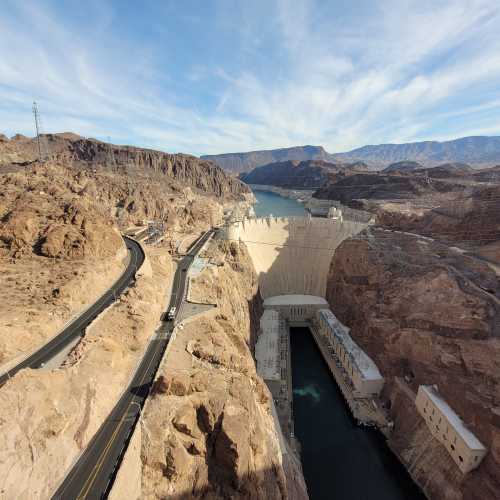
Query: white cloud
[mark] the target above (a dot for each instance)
(342, 82)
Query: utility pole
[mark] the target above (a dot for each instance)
(42, 150)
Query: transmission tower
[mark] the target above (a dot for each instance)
(42, 146)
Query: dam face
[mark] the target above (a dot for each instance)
(292, 255)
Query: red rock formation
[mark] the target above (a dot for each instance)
(430, 315)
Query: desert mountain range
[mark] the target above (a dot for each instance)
(478, 151)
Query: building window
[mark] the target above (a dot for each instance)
(452, 447)
(444, 437)
(475, 458)
(460, 458)
(425, 411)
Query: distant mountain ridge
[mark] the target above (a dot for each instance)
(475, 150)
(244, 162)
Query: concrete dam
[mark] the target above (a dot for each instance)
(292, 258)
(292, 255)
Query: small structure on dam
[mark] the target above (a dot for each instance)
(296, 308)
(448, 428)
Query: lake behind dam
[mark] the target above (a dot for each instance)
(273, 204)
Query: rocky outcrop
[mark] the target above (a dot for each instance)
(210, 430)
(402, 166)
(352, 190)
(470, 220)
(426, 314)
(41, 215)
(185, 169)
(300, 175)
(60, 244)
(70, 149)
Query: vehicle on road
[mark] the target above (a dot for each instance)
(171, 313)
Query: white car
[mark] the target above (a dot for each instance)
(171, 313)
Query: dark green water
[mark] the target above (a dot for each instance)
(271, 203)
(341, 461)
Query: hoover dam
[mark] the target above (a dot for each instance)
(291, 255)
(313, 366)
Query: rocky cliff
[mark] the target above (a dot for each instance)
(427, 314)
(208, 430)
(470, 220)
(60, 243)
(378, 186)
(300, 174)
(77, 151)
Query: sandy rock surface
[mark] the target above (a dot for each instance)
(48, 417)
(208, 430)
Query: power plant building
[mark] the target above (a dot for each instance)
(267, 349)
(449, 429)
(362, 372)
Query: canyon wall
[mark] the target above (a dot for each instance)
(208, 429)
(292, 255)
(426, 314)
(71, 149)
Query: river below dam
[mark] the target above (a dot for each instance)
(341, 460)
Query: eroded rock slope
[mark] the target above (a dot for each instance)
(427, 314)
(208, 429)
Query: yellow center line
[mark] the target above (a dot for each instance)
(91, 479)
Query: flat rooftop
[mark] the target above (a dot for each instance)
(365, 364)
(295, 300)
(455, 421)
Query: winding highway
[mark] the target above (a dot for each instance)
(77, 327)
(92, 475)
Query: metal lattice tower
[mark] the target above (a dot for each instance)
(42, 146)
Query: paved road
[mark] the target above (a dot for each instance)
(93, 474)
(77, 327)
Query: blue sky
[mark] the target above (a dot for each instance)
(221, 76)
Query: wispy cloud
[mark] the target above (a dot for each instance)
(231, 76)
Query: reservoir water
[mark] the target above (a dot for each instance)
(273, 204)
(341, 461)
